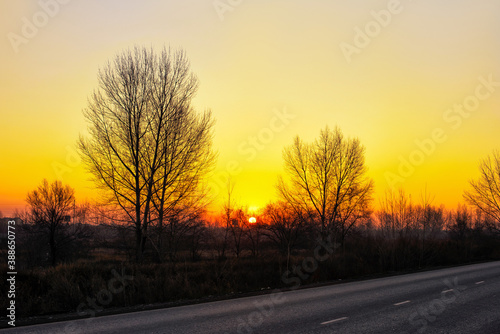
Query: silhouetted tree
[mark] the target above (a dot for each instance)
(461, 230)
(284, 227)
(485, 192)
(228, 207)
(237, 228)
(253, 235)
(328, 177)
(397, 215)
(147, 148)
(398, 221)
(50, 215)
(430, 221)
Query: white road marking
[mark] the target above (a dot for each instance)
(445, 291)
(335, 320)
(405, 302)
(480, 282)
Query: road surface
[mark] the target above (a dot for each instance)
(454, 300)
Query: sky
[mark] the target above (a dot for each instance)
(418, 82)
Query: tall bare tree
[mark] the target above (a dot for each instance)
(147, 147)
(328, 178)
(485, 192)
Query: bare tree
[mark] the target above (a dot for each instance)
(485, 192)
(398, 220)
(285, 227)
(253, 234)
(328, 177)
(50, 206)
(461, 230)
(147, 148)
(431, 220)
(237, 234)
(228, 207)
(396, 215)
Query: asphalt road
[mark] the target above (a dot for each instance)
(455, 300)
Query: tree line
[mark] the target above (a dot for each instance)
(150, 153)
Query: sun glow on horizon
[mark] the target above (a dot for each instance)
(253, 208)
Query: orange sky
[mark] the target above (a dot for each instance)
(388, 72)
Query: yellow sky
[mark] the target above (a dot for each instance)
(269, 70)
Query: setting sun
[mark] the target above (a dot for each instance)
(252, 220)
